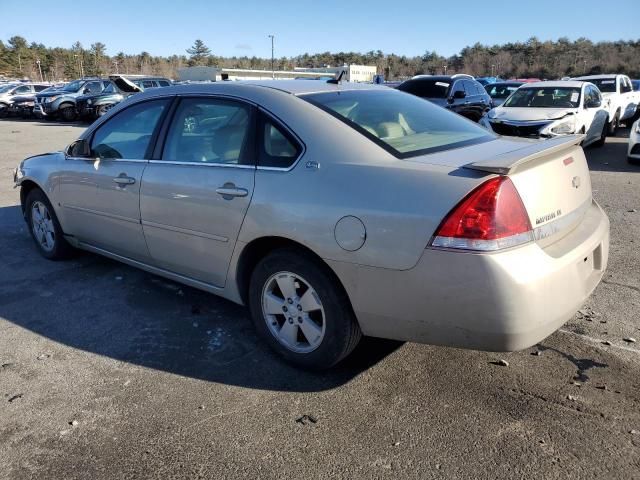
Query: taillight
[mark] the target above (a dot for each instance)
(491, 217)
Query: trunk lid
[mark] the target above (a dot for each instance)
(552, 178)
(125, 84)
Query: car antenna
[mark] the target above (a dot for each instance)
(338, 79)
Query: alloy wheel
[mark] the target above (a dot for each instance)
(293, 312)
(42, 225)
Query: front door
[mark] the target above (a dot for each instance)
(193, 201)
(101, 195)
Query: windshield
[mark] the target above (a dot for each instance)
(544, 97)
(426, 88)
(496, 90)
(6, 88)
(402, 124)
(73, 86)
(605, 84)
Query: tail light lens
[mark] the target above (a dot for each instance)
(489, 218)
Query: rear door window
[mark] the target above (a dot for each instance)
(210, 130)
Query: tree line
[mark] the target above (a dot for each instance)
(533, 58)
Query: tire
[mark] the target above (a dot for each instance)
(102, 110)
(46, 233)
(603, 137)
(614, 124)
(68, 113)
(324, 312)
(633, 161)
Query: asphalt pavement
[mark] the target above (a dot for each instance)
(109, 372)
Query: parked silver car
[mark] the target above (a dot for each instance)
(331, 211)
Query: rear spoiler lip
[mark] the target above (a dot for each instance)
(508, 162)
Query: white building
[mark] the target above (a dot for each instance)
(353, 73)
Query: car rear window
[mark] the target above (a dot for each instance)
(402, 124)
(426, 88)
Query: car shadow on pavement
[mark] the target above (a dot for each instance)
(106, 308)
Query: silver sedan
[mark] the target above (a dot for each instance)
(332, 211)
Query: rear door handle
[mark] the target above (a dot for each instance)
(232, 191)
(122, 179)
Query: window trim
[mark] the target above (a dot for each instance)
(265, 115)
(152, 141)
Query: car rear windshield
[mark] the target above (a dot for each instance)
(402, 124)
(426, 88)
(544, 97)
(501, 90)
(605, 84)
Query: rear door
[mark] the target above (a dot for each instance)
(100, 195)
(195, 195)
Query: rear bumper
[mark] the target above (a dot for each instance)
(499, 302)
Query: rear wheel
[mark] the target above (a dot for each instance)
(299, 309)
(45, 228)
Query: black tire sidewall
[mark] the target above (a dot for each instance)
(339, 317)
(68, 113)
(61, 248)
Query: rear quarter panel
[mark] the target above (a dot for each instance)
(400, 202)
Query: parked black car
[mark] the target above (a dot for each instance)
(92, 106)
(460, 93)
(62, 102)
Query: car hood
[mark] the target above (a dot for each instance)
(125, 85)
(24, 98)
(530, 114)
(54, 94)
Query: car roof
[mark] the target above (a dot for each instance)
(294, 87)
(598, 77)
(556, 84)
(505, 83)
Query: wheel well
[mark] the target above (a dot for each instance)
(25, 188)
(260, 248)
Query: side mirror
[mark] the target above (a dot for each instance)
(459, 94)
(79, 148)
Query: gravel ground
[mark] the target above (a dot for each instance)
(109, 372)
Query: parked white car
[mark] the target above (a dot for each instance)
(618, 91)
(551, 109)
(633, 153)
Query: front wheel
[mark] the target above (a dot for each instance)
(603, 137)
(45, 228)
(68, 114)
(102, 110)
(301, 311)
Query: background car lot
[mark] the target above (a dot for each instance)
(164, 380)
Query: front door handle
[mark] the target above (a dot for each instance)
(122, 179)
(228, 191)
